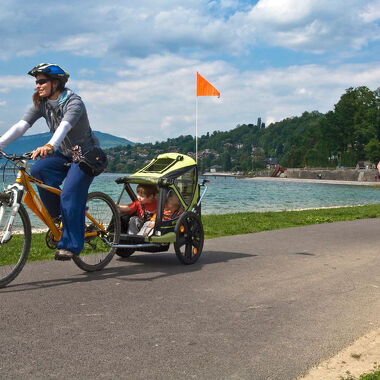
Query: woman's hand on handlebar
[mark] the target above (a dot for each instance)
(42, 152)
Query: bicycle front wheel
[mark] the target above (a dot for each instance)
(102, 232)
(14, 246)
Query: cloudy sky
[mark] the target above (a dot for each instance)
(134, 63)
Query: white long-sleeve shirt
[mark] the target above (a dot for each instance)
(18, 129)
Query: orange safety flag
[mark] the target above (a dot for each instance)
(205, 88)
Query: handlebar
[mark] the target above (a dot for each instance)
(15, 157)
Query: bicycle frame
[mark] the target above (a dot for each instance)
(23, 185)
(32, 200)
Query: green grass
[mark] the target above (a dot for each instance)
(374, 374)
(10, 252)
(38, 250)
(243, 223)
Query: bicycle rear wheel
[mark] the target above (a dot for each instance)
(14, 249)
(98, 247)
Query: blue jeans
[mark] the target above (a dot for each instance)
(72, 202)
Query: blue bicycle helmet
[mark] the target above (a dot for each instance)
(52, 70)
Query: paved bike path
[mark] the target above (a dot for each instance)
(261, 306)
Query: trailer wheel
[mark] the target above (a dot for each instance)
(124, 252)
(189, 238)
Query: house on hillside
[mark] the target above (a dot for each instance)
(215, 168)
(365, 165)
(271, 162)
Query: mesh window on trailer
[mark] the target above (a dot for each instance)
(186, 184)
(159, 166)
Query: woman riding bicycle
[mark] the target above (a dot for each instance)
(66, 117)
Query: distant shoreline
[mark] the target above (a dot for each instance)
(287, 179)
(309, 180)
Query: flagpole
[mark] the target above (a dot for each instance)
(196, 129)
(204, 88)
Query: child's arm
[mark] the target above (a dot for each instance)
(126, 209)
(123, 209)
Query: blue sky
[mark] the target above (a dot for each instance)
(134, 63)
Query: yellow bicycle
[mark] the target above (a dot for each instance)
(102, 224)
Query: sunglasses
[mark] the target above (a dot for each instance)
(42, 81)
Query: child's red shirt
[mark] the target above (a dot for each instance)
(145, 211)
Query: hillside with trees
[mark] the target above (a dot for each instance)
(341, 137)
(29, 142)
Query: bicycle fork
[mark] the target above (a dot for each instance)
(14, 193)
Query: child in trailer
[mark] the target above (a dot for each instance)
(172, 209)
(136, 213)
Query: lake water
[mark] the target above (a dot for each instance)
(228, 195)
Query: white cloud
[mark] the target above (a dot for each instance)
(158, 104)
(87, 44)
(156, 64)
(282, 12)
(12, 82)
(140, 29)
(371, 12)
(311, 25)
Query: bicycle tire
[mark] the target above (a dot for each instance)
(96, 253)
(15, 251)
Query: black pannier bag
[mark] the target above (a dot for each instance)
(93, 162)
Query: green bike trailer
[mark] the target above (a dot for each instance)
(175, 174)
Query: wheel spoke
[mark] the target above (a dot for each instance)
(189, 251)
(182, 241)
(196, 243)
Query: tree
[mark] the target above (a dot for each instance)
(372, 150)
(258, 159)
(226, 161)
(356, 116)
